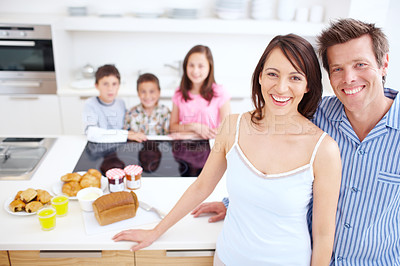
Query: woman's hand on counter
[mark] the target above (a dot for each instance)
(216, 207)
(144, 238)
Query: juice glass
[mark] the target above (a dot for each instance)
(47, 218)
(60, 203)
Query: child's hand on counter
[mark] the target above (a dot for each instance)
(136, 136)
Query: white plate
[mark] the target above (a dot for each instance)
(22, 213)
(57, 187)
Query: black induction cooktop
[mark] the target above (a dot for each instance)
(158, 158)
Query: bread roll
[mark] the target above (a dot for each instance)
(28, 195)
(89, 180)
(33, 206)
(94, 172)
(43, 196)
(115, 207)
(71, 177)
(71, 188)
(17, 205)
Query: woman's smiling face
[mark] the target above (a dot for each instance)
(282, 85)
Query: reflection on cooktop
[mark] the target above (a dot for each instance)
(158, 158)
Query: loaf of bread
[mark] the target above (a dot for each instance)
(115, 207)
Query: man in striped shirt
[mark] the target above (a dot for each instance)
(364, 119)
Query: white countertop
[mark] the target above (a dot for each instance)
(24, 233)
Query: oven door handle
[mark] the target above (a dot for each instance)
(17, 43)
(16, 83)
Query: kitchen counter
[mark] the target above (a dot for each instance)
(24, 233)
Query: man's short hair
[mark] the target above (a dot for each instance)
(344, 30)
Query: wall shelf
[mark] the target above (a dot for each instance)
(206, 26)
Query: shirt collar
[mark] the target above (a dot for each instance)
(104, 103)
(393, 115)
(336, 111)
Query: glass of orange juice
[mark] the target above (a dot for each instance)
(60, 203)
(47, 218)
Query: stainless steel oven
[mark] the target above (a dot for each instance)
(26, 59)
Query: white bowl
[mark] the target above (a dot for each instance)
(87, 196)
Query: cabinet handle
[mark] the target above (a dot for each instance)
(17, 43)
(17, 83)
(24, 98)
(191, 253)
(70, 254)
(84, 97)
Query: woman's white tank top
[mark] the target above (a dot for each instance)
(266, 221)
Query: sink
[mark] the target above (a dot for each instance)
(20, 157)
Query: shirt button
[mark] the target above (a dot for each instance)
(347, 225)
(361, 152)
(340, 258)
(354, 189)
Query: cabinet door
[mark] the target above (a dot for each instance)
(30, 115)
(71, 113)
(4, 258)
(76, 258)
(163, 257)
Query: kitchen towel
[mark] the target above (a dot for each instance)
(142, 217)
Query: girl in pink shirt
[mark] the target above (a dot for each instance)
(199, 104)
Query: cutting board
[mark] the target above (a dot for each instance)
(142, 217)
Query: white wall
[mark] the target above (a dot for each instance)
(392, 31)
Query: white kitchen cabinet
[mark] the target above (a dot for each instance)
(71, 113)
(30, 115)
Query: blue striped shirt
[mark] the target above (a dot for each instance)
(368, 214)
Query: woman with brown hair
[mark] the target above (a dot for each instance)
(276, 163)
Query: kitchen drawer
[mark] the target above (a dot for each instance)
(163, 257)
(4, 258)
(76, 258)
